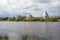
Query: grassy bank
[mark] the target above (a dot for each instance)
(31, 19)
(4, 37)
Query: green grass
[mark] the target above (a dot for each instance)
(31, 37)
(4, 37)
(58, 20)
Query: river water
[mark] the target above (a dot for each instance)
(49, 30)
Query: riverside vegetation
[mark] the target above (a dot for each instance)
(4, 37)
(32, 37)
(31, 19)
(24, 37)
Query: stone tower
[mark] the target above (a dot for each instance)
(45, 15)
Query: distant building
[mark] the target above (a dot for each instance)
(45, 15)
(8, 19)
(18, 16)
(29, 16)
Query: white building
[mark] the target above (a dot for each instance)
(45, 15)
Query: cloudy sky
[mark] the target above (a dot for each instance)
(24, 7)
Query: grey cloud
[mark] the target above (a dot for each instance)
(33, 8)
(54, 11)
(42, 1)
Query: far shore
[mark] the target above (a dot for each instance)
(27, 22)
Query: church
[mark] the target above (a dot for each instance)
(45, 15)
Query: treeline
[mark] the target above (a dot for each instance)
(32, 19)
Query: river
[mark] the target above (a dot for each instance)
(49, 30)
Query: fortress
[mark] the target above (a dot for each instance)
(45, 15)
